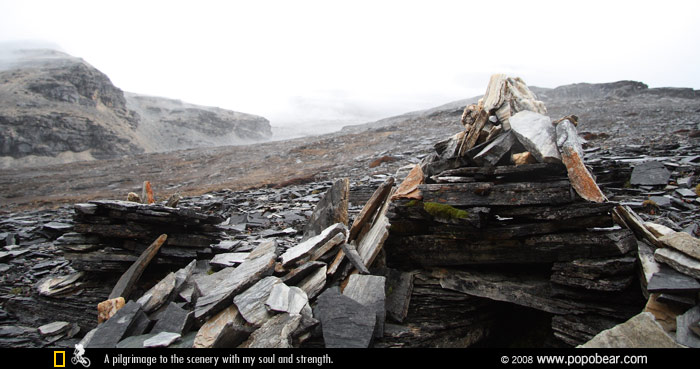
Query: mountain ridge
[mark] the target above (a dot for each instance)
(58, 108)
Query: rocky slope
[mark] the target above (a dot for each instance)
(167, 124)
(56, 108)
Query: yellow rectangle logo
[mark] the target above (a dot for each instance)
(56, 356)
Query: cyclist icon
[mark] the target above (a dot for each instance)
(78, 356)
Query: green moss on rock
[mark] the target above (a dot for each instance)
(413, 203)
(444, 211)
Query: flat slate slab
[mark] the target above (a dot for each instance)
(650, 173)
(669, 280)
(286, 299)
(369, 290)
(225, 329)
(109, 333)
(683, 242)
(54, 328)
(228, 259)
(306, 248)
(251, 302)
(260, 263)
(135, 341)
(641, 331)
(174, 319)
(275, 333)
(159, 294)
(162, 339)
(678, 261)
(684, 333)
(345, 322)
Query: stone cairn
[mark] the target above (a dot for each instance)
(109, 235)
(506, 212)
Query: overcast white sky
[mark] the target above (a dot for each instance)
(294, 61)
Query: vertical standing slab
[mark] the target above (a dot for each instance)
(345, 322)
(369, 290)
(369, 246)
(399, 287)
(147, 193)
(131, 276)
(572, 155)
(408, 189)
(648, 265)
(333, 208)
(355, 259)
(158, 294)
(505, 96)
(174, 319)
(370, 208)
(472, 137)
(493, 152)
(314, 283)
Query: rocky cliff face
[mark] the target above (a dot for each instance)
(57, 108)
(168, 124)
(52, 104)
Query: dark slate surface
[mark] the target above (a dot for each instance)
(345, 323)
(650, 173)
(112, 331)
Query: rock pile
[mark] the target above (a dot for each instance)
(670, 266)
(110, 234)
(263, 296)
(507, 212)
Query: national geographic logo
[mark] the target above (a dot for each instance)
(59, 359)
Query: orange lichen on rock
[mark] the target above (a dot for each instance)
(571, 155)
(409, 187)
(107, 308)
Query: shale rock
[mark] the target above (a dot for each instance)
(650, 173)
(345, 322)
(641, 331)
(536, 132)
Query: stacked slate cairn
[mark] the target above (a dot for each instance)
(109, 235)
(505, 216)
